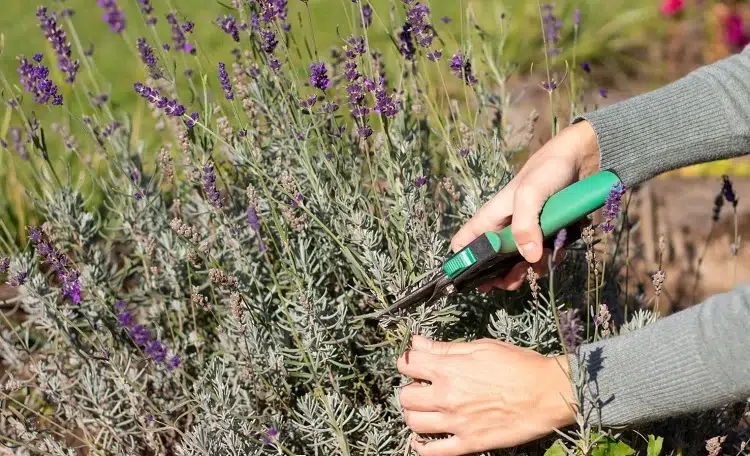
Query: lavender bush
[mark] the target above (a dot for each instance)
(216, 305)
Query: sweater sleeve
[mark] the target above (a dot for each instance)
(704, 116)
(694, 360)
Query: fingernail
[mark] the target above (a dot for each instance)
(527, 249)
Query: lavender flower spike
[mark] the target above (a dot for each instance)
(112, 15)
(209, 186)
(4, 265)
(225, 82)
(57, 38)
(319, 76)
(612, 206)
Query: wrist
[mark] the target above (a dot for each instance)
(559, 400)
(587, 149)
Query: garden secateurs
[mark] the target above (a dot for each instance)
(494, 253)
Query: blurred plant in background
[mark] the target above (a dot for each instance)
(193, 234)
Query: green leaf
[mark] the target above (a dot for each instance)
(557, 449)
(654, 445)
(608, 446)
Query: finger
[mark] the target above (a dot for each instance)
(451, 446)
(493, 215)
(427, 422)
(529, 198)
(418, 364)
(419, 398)
(424, 344)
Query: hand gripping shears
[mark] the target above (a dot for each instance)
(494, 253)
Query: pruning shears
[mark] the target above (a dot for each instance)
(494, 253)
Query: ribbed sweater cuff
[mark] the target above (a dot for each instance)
(681, 124)
(691, 361)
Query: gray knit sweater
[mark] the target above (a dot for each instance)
(698, 358)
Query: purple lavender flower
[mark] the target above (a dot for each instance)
(19, 145)
(112, 15)
(71, 287)
(271, 10)
(603, 92)
(406, 46)
(148, 57)
(140, 334)
(252, 219)
(179, 40)
(268, 41)
(434, 56)
(585, 66)
(60, 264)
(560, 239)
(727, 190)
(225, 82)
(4, 265)
(156, 351)
(385, 103)
(319, 76)
(271, 436)
(34, 79)
(191, 120)
(612, 206)
(229, 25)
(209, 186)
(570, 327)
(18, 279)
(416, 17)
(551, 30)
(364, 131)
(147, 10)
(57, 38)
(420, 181)
(445, 20)
(577, 17)
(174, 362)
(367, 15)
(171, 107)
(461, 67)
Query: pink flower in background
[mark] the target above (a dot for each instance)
(671, 7)
(734, 31)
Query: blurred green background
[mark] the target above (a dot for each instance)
(618, 37)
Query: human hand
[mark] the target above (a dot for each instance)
(568, 157)
(488, 394)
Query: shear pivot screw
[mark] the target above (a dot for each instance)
(450, 289)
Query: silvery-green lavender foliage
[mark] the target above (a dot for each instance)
(212, 307)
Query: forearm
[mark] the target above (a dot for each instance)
(702, 117)
(696, 359)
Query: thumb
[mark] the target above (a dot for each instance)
(528, 200)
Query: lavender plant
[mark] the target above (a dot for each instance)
(215, 306)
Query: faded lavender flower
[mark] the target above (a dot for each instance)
(113, 15)
(55, 34)
(577, 17)
(226, 84)
(657, 280)
(570, 327)
(603, 320)
(4, 265)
